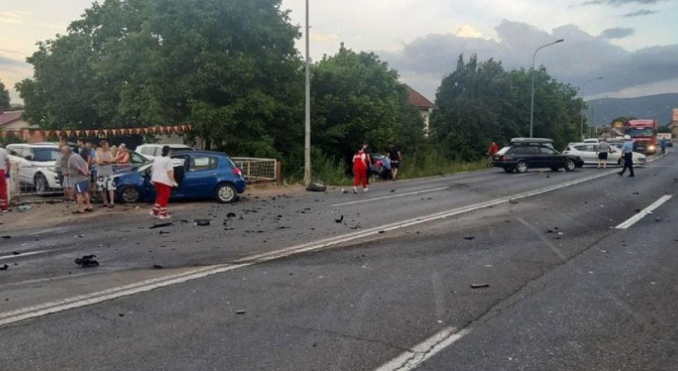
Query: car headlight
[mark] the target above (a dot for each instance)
(651, 148)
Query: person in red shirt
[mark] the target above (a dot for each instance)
(494, 148)
(360, 170)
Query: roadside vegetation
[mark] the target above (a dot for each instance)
(232, 70)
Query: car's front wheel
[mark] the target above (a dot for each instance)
(570, 165)
(521, 167)
(41, 184)
(226, 193)
(129, 195)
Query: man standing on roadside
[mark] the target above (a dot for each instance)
(5, 168)
(368, 160)
(105, 181)
(603, 151)
(162, 178)
(78, 173)
(395, 156)
(627, 151)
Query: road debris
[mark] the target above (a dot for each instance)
(23, 208)
(87, 261)
(156, 266)
(161, 225)
(240, 311)
(230, 215)
(341, 219)
(512, 201)
(480, 285)
(316, 187)
(202, 222)
(470, 238)
(4, 267)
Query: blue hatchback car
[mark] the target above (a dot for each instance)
(200, 175)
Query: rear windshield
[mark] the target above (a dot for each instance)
(503, 151)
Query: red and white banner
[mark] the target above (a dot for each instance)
(26, 134)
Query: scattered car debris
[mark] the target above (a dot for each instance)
(161, 225)
(202, 222)
(16, 253)
(470, 238)
(4, 267)
(121, 314)
(23, 208)
(658, 219)
(382, 232)
(240, 311)
(341, 219)
(393, 191)
(230, 215)
(480, 285)
(87, 261)
(157, 266)
(6, 237)
(512, 201)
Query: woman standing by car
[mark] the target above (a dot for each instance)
(162, 178)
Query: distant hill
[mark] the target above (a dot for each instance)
(659, 107)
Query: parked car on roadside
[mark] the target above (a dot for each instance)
(36, 164)
(151, 151)
(527, 153)
(589, 153)
(200, 175)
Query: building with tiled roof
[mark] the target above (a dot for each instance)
(423, 104)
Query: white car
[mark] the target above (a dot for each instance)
(36, 164)
(151, 151)
(589, 153)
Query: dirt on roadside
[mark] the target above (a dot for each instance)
(51, 213)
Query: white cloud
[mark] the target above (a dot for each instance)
(468, 32)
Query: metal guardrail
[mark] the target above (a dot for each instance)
(258, 170)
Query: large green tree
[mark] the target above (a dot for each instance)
(481, 102)
(5, 103)
(228, 66)
(357, 98)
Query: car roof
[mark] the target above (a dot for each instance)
(531, 141)
(199, 153)
(177, 145)
(34, 145)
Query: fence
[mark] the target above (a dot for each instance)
(27, 181)
(258, 170)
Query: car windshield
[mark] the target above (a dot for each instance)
(182, 149)
(635, 133)
(45, 154)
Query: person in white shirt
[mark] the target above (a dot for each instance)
(162, 178)
(5, 167)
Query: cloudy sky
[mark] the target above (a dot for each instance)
(633, 44)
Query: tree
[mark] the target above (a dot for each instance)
(229, 67)
(355, 98)
(5, 103)
(480, 103)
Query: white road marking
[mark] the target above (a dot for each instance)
(7, 257)
(542, 238)
(411, 359)
(391, 196)
(648, 210)
(152, 284)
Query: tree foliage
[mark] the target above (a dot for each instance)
(357, 98)
(228, 66)
(5, 103)
(480, 102)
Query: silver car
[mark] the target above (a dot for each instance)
(589, 153)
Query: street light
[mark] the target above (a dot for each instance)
(534, 57)
(307, 126)
(582, 103)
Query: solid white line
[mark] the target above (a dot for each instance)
(7, 257)
(411, 359)
(392, 196)
(149, 285)
(648, 210)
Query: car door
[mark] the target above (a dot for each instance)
(22, 155)
(588, 153)
(201, 176)
(533, 156)
(550, 157)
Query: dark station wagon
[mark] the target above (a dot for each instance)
(527, 153)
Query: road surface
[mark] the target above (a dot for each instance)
(477, 271)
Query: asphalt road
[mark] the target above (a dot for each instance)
(284, 286)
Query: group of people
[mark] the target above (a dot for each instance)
(87, 170)
(362, 163)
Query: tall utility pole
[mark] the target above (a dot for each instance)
(307, 131)
(534, 58)
(582, 104)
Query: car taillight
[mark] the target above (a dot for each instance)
(503, 158)
(237, 171)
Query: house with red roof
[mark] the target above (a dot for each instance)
(424, 106)
(12, 121)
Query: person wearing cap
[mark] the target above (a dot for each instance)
(603, 151)
(627, 152)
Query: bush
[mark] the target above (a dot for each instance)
(432, 163)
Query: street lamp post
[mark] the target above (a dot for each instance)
(534, 58)
(307, 126)
(582, 103)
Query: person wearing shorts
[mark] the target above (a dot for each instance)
(78, 177)
(603, 153)
(105, 181)
(395, 156)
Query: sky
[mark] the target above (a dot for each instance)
(632, 44)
